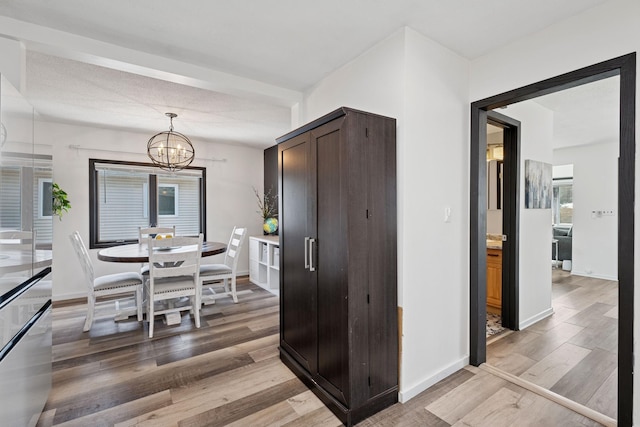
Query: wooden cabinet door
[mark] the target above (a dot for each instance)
(330, 253)
(494, 278)
(298, 313)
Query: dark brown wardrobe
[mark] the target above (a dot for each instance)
(338, 260)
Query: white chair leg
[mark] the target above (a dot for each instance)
(233, 290)
(91, 304)
(150, 317)
(196, 309)
(139, 302)
(226, 285)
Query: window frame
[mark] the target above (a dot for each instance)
(153, 216)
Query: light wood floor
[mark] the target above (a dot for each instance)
(228, 373)
(574, 352)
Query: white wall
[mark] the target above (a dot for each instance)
(604, 32)
(435, 152)
(595, 240)
(433, 167)
(536, 143)
(230, 198)
(13, 62)
(424, 86)
(420, 83)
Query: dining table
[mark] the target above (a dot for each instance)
(139, 253)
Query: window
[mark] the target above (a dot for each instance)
(562, 205)
(45, 197)
(126, 195)
(168, 199)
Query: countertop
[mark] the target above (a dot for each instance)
(494, 244)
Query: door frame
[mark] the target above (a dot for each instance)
(625, 67)
(510, 312)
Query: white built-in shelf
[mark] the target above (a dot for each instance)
(264, 262)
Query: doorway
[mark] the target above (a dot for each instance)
(505, 218)
(624, 67)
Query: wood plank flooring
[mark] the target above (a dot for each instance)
(228, 373)
(574, 352)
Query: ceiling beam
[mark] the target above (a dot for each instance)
(71, 46)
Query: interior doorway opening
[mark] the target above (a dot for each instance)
(625, 68)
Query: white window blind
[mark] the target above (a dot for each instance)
(10, 198)
(187, 206)
(121, 204)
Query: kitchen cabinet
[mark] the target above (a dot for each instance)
(338, 260)
(494, 279)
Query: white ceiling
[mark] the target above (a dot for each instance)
(252, 59)
(587, 114)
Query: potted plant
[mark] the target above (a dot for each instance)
(60, 202)
(268, 211)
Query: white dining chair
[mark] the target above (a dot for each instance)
(174, 272)
(143, 235)
(225, 272)
(107, 285)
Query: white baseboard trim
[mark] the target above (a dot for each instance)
(595, 276)
(538, 317)
(405, 395)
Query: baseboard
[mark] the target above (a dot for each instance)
(594, 276)
(538, 317)
(405, 395)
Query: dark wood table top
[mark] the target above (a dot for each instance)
(140, 254)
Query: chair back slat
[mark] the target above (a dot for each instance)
(238, 236)
(173, 257)
(144, 232)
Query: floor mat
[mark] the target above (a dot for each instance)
(494, 324)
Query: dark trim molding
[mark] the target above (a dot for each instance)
(625, 67)
(510, 218)
(153, 197)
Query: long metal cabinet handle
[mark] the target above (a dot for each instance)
(311, 242)
(306, 252)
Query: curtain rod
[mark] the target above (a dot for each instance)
(78, 147)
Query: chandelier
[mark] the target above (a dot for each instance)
(170, 150)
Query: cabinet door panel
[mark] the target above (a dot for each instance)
(331, 261)
(494, 278)
(297, 289)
